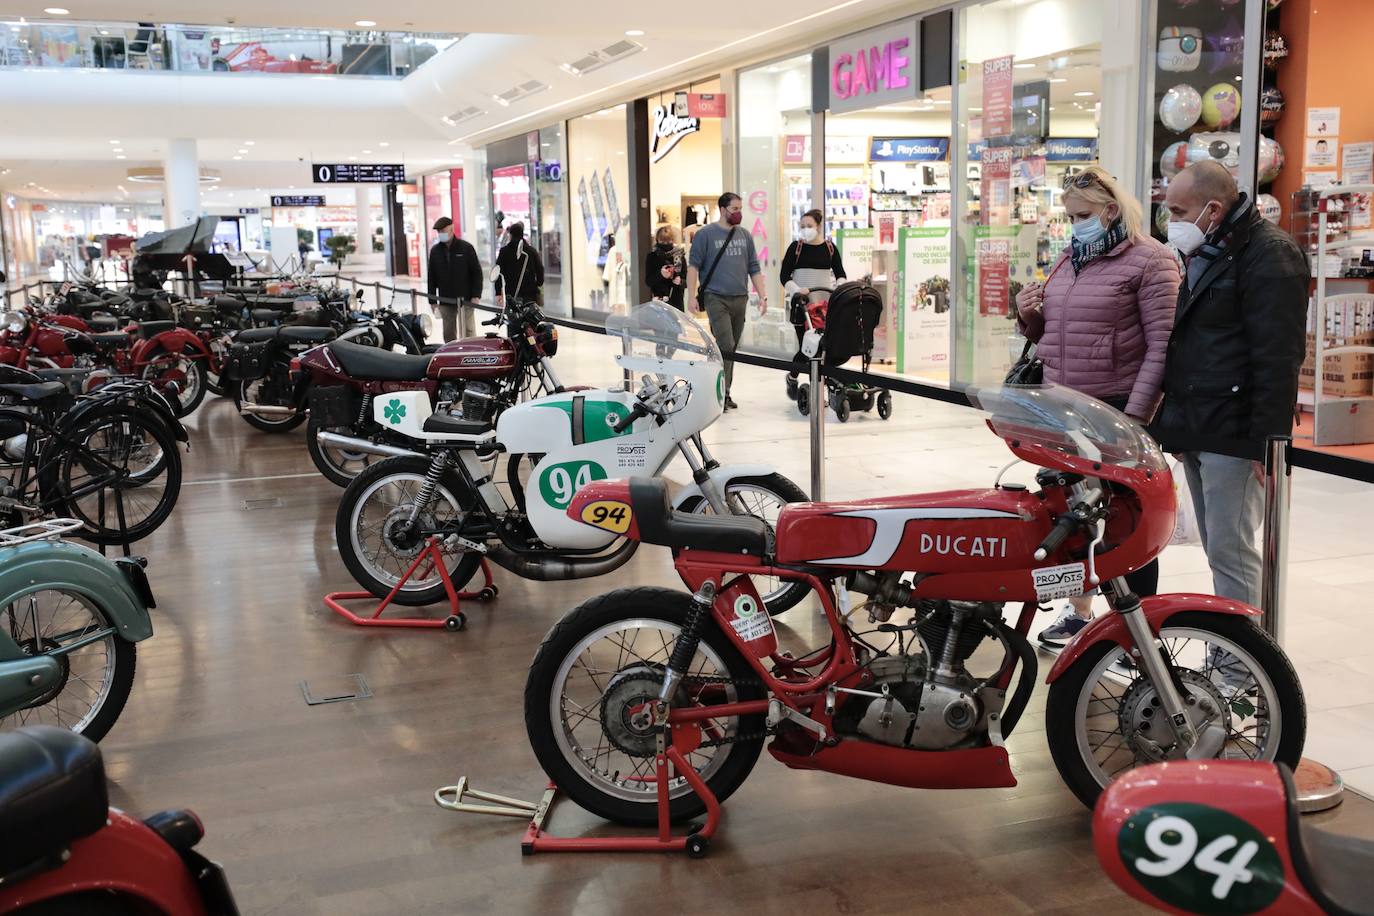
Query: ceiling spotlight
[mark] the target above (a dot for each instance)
(1058, 79)
(121, 157)
(56, 10)
(238, 157)
(117, 149)
(365, 23)
(249, 142)
(243, 152)
(1024, 66)
(384, 143)
(367, 152)
(115, 142)
(1083, 94)
(634, 33)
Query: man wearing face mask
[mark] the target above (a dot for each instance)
(1233, 360)
(454, 275)
(723, 262)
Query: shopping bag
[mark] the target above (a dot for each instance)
(1185, 520)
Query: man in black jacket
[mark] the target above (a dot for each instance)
(1231, 375)
(455, 275)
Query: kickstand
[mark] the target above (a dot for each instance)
(431, 554)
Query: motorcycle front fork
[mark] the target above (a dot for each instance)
(701, 463)
(1149, 653)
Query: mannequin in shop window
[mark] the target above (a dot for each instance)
(811, 268)
(616, 274)
(665, 268)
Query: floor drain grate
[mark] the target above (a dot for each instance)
(265, 502)
(336, 690)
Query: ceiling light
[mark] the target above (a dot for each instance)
(1024, 66)
(365, 23)
(352, 158)
(238, 157)
(243, 152)
(115, 142)
(634, 33)
(121, 157)
(367, 152)
(55, 11)
(1059, 79)
(117, 149)
(249, 142)
(1083, 94)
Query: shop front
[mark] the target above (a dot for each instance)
(525, 184)
(55, 239)
(597, 176)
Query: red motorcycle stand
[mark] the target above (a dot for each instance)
(455, 620)
(694, 843)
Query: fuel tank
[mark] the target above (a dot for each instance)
(960, 531)
(487, 357)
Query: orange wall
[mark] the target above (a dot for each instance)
(1330, 62)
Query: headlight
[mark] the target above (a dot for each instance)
(426, 324)
(14, 322)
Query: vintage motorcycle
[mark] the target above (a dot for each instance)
(69, 622)
(555, 445)
(910, 700)
(476, 378)
(74, 854)
(1225, 837)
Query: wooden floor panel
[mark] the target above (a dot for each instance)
(329, 809)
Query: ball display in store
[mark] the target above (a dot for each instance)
(1180, 108)
(1225, 47)
(1270, 160)
(1220, 105)
(1217, 147)
(1180, 49)
(1275, 49)
(1269, 208)
(1174, 159)
(1271, 105)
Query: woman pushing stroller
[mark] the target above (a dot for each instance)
(811, 268)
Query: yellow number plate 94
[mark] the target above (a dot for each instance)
(609, 515)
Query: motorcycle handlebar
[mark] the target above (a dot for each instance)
(623, 423)
(1062, 529)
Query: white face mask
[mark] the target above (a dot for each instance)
(1187, 238)
(445, 236)
(809, 233)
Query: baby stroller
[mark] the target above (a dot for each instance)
(841, 328)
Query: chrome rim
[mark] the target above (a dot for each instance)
(191, 380)
(1116, 703)
(587, 680)
(347, 462)
(69, 627)
(250, 392)
(374, 519)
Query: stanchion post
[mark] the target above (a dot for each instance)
(817, 405)
(414, 304)
(376, 294)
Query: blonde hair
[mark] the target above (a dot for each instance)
(1106, 190)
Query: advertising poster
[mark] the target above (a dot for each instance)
(995, 194)
(612, 203)
(1357, 167)
(1324, 122)
(997, 93)
(585, 203)
(1320, 152)
(857, 248)
(510, 191)
(994, 276)
(923, 326)
(706, 105)
(600, 204)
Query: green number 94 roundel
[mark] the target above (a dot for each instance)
(1201, 859)
(559, 484)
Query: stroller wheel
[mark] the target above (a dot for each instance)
(842, 408)
(885, 404)
(804, 399)
(792, 387)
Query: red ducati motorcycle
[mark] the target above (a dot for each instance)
(924, 698)
(66, 851)
(1224, 837)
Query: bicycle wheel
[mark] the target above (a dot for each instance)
(97, 666)
(120, 473)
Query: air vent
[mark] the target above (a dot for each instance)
(595, 60)
(463, 114)
(523, 91)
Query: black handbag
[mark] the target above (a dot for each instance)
(1028, 370)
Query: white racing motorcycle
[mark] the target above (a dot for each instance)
(555, 446)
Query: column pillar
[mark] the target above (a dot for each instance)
(180, 183)
(362, 210)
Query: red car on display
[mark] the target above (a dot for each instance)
(253, 57)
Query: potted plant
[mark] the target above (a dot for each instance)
(340, 247)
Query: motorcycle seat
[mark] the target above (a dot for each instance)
(375, 363)
(267, 316)
(448, 424)
(295, 334)
(228, 305)
(1332, 867)
(256, 335)
(52, 791)
(103, 323)
(150, 329)
(660, 523)
(110, 339)
(34, 391)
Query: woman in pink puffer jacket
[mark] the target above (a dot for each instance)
(1101, 323)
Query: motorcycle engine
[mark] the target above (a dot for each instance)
(14, 446)
(479, 402)
(929, 703)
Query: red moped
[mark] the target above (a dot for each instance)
(638, 682)
(1224, 837)
(66, 850)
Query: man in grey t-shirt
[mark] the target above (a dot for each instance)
(725, 296)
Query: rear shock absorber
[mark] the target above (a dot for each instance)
(364, 411)
(680, 662)
(437, 466)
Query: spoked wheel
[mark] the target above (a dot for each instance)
(764, 497)
(338, 465)
(97, 666)
(186, 371)
(1104, 717)
(121, 476)
(213, 383)
(378, 541)
(251, 392)
(585, 706)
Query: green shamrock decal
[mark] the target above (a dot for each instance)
(394, 411)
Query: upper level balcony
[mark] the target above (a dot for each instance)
(162, 47)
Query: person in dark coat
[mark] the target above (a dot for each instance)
(455, 275)
(519, 271)
(1231, 370)
(665, 267)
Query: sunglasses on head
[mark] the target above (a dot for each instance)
(1080, 181)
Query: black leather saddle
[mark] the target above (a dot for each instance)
(660, 523)
(52, 791)
(266, 316)
(285, 334)
(1333, 867)
(101, 323)
(112, 339)
(34, 391)
(375, 363)
(450, 425)
(150, 329)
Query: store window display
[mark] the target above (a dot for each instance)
(597, 177)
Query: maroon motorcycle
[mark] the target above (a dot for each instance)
(474, 379)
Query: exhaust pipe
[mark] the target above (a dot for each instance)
(557, 569)
(268, 410)
(334, 440)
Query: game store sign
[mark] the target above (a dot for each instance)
(875, 67)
